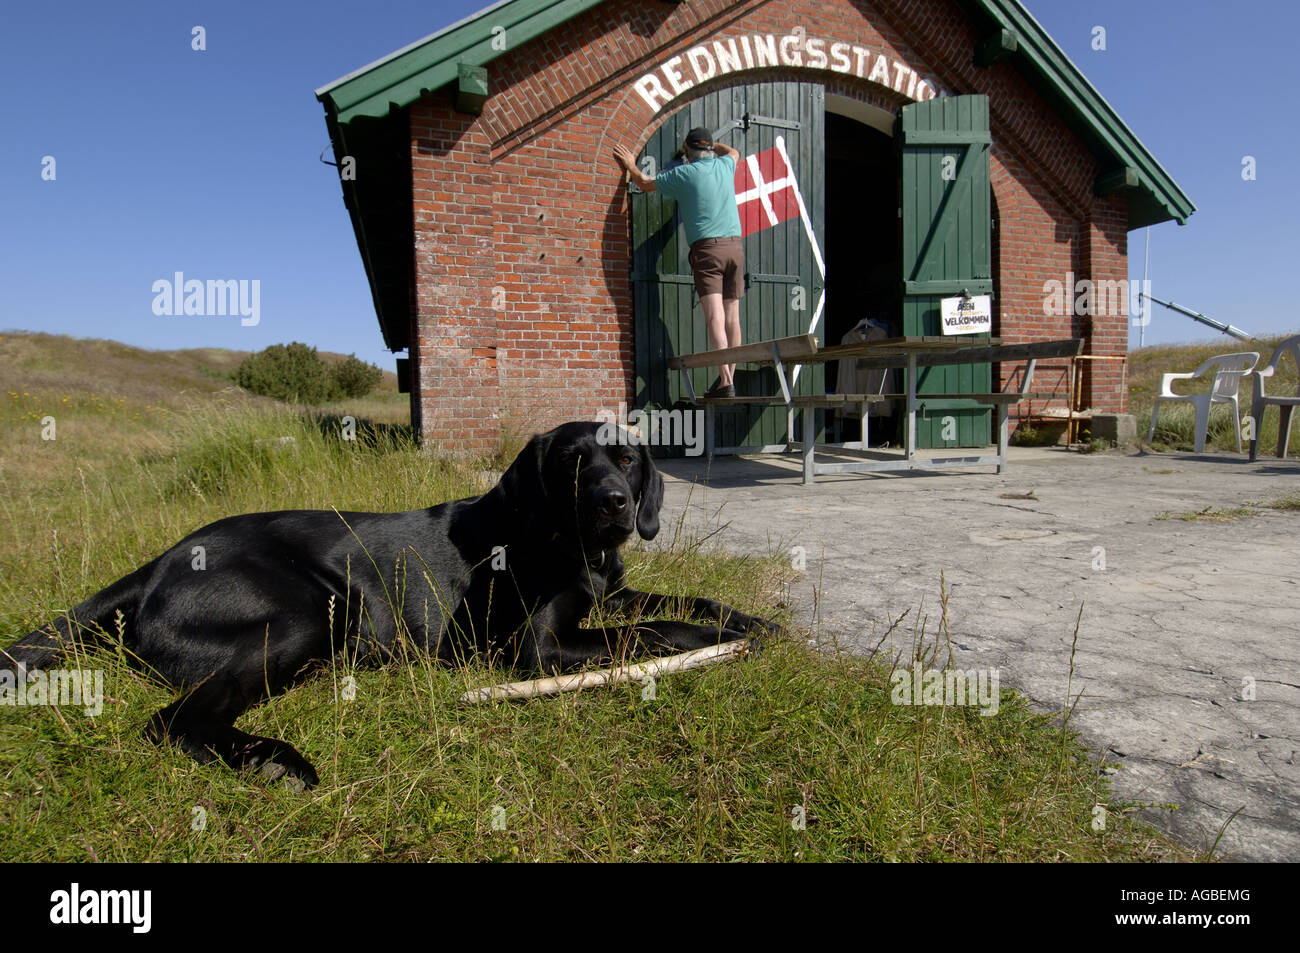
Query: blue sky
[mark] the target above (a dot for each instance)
(206, 163)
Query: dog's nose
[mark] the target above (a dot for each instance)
(613, 502)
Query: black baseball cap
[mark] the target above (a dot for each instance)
(699, 138)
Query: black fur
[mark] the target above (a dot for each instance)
(511, 574)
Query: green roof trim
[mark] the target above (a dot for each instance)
(400, 78)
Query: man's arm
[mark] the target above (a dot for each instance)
(722, 149)
(645, 183)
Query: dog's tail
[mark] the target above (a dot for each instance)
(97, 621)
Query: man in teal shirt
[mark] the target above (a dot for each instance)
(705, 192)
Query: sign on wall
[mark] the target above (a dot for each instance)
(961, 315)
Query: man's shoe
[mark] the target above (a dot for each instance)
(721, 390)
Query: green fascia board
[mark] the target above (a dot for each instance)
(400, 78)
(1041, 54)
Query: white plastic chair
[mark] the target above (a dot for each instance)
(1228, 371)
(1262, 402)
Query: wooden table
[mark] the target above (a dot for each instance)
(911, 353)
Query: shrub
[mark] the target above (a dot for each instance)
(292, 372)
(353, 377)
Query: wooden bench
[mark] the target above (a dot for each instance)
(800, 345)
(776, 352)
(910, 352)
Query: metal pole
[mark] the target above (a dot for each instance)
(1204, 319)
(1146, 274)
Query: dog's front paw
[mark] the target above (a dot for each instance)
(754, 625)
(279, 761)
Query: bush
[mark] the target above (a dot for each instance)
(295, 373)
(355, 378)
(291, 372)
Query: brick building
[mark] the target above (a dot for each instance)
(936, 146)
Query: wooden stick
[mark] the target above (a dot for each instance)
(532, 688)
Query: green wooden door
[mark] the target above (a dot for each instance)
(784, 275)
(947, 250)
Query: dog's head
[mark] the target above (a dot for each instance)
(590, 482)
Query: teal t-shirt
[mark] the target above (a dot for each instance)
(705, 191)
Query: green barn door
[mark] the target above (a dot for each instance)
(784, 280)
(947, 250)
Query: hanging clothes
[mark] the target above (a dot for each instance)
(851, 378)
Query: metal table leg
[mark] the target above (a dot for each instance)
(1003, 428)
(808, 477)
(910, 436)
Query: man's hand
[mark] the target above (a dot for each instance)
(645, 183)
(625, 158)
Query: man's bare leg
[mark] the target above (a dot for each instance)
(715, 316)
(731, 308)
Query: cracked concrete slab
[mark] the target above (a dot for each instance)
(1182, 621)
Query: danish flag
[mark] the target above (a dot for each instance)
(766, 191)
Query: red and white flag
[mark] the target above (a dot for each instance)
(766, 191)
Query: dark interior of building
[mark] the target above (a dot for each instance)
(862, 238)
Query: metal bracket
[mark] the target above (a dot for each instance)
(780, 374)
(690, 388)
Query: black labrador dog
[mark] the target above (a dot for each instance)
(244, 608)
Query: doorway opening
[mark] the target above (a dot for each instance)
(863, 238)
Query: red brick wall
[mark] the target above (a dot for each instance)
(1105, 256)
(522, 235)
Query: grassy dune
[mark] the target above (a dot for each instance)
(789, 755)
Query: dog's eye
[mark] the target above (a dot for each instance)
(626, 459)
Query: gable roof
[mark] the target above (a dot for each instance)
(363, 111)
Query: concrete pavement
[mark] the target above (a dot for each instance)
(1182, 620)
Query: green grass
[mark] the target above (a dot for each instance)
(711, 769)
(1211, 514)
(1027, 435)
(1229, 514)
(717, 766)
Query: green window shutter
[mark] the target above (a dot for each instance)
(947, 249)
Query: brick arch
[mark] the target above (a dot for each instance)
(630, 111)
(624, 126)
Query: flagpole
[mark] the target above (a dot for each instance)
(1146, 272)
(812, 240)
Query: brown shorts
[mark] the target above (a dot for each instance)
(719, 266)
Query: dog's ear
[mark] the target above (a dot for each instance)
(651, 498)
(524, 483)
